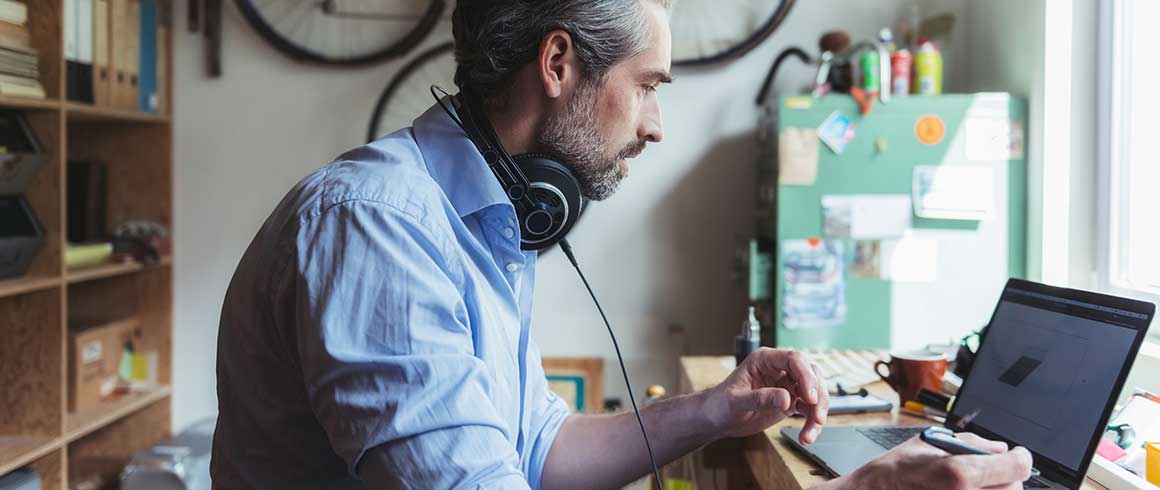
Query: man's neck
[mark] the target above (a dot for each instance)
(516, 129)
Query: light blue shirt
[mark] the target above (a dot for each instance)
(375, 333)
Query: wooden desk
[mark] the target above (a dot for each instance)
(770, 461)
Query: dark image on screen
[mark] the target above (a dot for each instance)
(1042, 378)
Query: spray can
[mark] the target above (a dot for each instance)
(900, 63)
(928, 68)
(750, 338)
(871, 80)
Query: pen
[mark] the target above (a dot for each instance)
(1148, 395)
(924, 410)
(945, 439)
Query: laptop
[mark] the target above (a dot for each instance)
(1047, 373)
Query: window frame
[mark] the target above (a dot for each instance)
(1113, 86)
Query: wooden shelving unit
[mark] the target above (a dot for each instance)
(37, 310)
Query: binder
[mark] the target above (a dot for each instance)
(132, 54)
(102, 79)
(163, 69)
(118, 83)
(147, 76)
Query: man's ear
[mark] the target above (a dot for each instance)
(558, 65)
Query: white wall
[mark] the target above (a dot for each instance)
(659, 253)
(1011, 52)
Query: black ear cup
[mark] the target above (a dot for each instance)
(557, 202)
(546, 195)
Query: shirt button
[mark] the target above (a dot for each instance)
(508, 232)
(513, 267)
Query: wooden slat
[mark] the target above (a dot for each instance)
(112, 270)
(80, 424)
(29, 104)
(27, 284)
(17, 452)
(85, 112)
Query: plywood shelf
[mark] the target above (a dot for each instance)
(112, 270)
(85, 422)
(17, 452)
(27, 284)
(75, 111)
(27, 103)
(36, 429)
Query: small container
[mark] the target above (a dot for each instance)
(928, 70)
(871, 80)
(900, 65)
(750, 338)
(1152, 462)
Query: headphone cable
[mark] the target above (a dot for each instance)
(567, 248)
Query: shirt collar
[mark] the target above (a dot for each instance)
(455, 163)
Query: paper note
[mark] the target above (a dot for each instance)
(866, 216)
(959, 192)
(815, 283)
(867, 259)
(993, 139)
(912, 258)
(797, 156)
(836, 132)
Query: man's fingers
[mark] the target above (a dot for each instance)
(822, 409)
(765, 399)
(793, 362)
(996, 469)
(984, 444)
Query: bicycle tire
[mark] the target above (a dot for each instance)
(745, 46)
(302, 53)
(373, 130)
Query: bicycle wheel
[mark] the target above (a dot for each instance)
(713, 31)
(409, 94)
(343, 32)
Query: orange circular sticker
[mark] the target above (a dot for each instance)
(930, 130)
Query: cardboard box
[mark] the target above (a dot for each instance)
(95, 360)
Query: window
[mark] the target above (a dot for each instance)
(1130, 147)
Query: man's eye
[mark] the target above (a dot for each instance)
(649, 88)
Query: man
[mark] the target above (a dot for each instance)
(376, 332)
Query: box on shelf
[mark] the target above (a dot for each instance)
(95, 358)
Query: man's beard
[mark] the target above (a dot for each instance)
(572, 137)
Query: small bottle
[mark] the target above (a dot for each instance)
(928, 70)
(750, 338)
(900, 64)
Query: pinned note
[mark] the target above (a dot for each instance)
(797, 153)
(866, 216)
(959, 192)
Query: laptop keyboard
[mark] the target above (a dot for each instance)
(889, 437)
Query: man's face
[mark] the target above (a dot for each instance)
(604, 125)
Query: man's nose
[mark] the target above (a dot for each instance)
(651, 128)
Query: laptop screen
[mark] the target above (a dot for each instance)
(1046, 370)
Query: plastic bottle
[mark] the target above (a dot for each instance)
(749, 339)
(928, 69)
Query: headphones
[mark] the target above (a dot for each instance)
(545, 194)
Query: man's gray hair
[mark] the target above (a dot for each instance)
(494, 38)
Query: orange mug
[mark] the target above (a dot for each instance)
(909, 372)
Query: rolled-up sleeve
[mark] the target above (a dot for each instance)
(387, 354)
(548, 413)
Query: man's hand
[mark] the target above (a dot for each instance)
(767, 387)
(916, 464)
